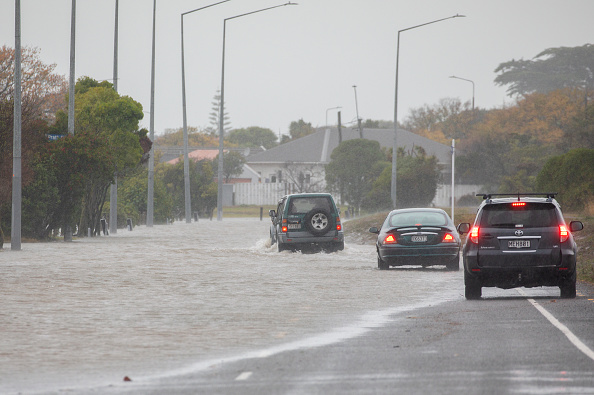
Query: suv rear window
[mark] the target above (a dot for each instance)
(303, 205)
(530, 215)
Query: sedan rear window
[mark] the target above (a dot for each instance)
(417, 218)
(529, 215)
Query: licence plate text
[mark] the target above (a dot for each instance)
(518, 244)
(418, 239)
(294, 226)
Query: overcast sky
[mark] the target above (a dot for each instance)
(297, 62)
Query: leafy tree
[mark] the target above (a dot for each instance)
(417, 179)
(196, 138)
(353, 167)
(571, 175)
(233, 162)
(298, 129)
(552, 69)
(252, 137)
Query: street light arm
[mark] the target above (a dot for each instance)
(263, 9)
(428, 23)
(207, 6)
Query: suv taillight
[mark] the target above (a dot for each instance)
(474, 234)
(338, 225)
(563, 233)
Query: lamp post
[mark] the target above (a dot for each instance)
(150, 203)
(15, 232)
(222, 109)
(472, 82)
(113, 188)
(395, 146)
(328, 109)
(188, 202)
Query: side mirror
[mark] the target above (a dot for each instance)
(575, 226)
(272, 213)
(463, 228)
(373, 229)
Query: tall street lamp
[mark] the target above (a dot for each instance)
(472, 82)
(357, 109)
(188, 202)
(113, 189)
(395, 146)
(15, 232)
(150, 203)
(222, 109)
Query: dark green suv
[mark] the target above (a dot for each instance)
(306, 220)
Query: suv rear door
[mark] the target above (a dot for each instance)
(519, 234)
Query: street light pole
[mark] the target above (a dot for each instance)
(188, 202)
(222, 109)
(151, 170)
(113, 188)
(472, 82)
(395, 145)
(15, 232)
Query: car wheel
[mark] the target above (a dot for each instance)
(272, 238)
(381, 264)
(454, 264)
(317, 221)
(280, 246)
(472, 288)
(567, 288)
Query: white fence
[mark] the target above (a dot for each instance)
(270, 193)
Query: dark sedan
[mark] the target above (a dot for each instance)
(417, 236)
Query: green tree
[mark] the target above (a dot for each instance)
(571, 176)
(215, 116)
(552, 69)
(298, 129)
(252, 137)
(417, 178)
(353, 167)
(233, 162)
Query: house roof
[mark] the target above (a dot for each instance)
(317, 147)
(197, 155)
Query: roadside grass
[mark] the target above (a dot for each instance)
(357, 231)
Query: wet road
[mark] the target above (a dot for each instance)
(173, 300)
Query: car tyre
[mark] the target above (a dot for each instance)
(472, 288)
(317, 221)
(381, 264)
(454, 264)
(567, 287)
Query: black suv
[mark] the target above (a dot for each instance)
(519, 241)
(306, 220)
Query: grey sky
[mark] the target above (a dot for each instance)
(297, 62)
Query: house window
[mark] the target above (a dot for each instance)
(280, 176)
(307, 178)
(272, 178)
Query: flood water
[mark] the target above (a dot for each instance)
(160, 301)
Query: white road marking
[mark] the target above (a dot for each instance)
(569, 334)
(243, 376)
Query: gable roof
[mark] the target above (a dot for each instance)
(317, 147)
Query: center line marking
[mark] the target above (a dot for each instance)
(243, 376)
(565, 330)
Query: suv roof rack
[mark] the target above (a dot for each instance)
(488, 196)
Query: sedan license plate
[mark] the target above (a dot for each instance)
(518, 244)
(418, 239)
(294, 226)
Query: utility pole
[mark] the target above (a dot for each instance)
(15, 233)
(113, 190)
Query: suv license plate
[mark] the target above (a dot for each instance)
(294, 226)
(418, 239)
(518, 244)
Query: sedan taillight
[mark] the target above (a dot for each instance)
(390, 239)
(448, 238)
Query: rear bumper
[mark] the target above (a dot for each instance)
(429, 255)
(517, 270)
(296, 238)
